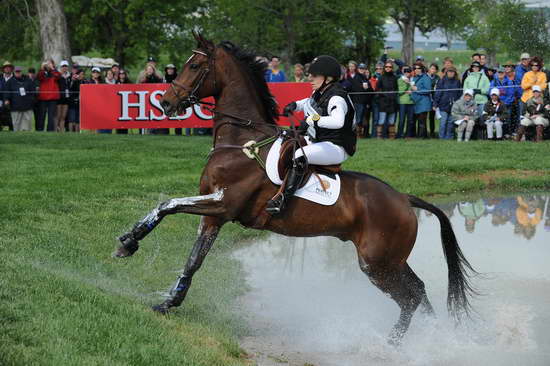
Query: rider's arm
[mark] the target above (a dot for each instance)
(337, 109)
(300, 104)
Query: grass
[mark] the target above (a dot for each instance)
(64, 301)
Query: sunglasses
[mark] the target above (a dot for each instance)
(535, 65)
(418, 68)
(388, 67)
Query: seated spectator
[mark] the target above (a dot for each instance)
(534, 77)
(421, 97)
(536, 114)
(48, 95)
(406, 104)
(123, 77)
(273, 74)
(170, 73)
(96, 76)
(447, 91)
(20, 98)
(480, 84)
(494, 115)
(464, 113)
(299, 74)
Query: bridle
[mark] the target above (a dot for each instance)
(191, 97)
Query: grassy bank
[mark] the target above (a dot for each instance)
(64, 301)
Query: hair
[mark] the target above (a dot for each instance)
(476, 54)
(256, 71)
(421, 65)
(388, 63)
(448, 59)
(352, 62)
(109, 71)
(538, 60)
(406, 67)
(275, 56)
(434, 65)
(299, 66)
(31, 70)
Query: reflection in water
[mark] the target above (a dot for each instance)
(310, 302)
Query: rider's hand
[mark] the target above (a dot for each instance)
(289, 108)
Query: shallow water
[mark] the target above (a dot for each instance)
(310, 303)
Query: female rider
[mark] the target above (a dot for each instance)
(331, 136)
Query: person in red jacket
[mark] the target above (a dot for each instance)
(48, 95)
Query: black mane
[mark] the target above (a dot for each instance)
(256, 70)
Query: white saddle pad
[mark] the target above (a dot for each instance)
(312, 190)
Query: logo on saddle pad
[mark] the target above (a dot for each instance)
(319, 188)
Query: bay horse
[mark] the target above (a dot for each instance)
(378, 220)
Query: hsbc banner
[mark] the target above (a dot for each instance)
(105, 106)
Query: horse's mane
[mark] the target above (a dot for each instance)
(256, 70)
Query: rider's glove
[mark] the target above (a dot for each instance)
(289, 108)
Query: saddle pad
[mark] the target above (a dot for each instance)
(312, 190)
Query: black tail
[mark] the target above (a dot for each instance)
(459, 268)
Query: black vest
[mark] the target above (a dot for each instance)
(345, 136)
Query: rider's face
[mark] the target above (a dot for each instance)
(316, 81)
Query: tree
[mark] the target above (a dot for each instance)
(53, 30)
(426, 15)
(19, 30)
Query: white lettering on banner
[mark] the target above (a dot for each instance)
(126, 105)
(156, 107)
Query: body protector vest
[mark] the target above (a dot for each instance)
(345, 136)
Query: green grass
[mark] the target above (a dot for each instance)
(65, 301)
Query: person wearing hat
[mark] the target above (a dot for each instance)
(475, 58)
(406, 104)
(20, 97)
(48, 95)
(5, 116)
(447, 91)
(494, 115)
(523, 66)
(464, 113)
(329, 125)
(479, 82)
(536, 114)
(63, 103)
(95, 77)
(358, 84)
(170, 73)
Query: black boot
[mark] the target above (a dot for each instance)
(294, 178)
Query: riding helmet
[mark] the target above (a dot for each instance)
(325, 65)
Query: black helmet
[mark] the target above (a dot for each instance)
(325, 65)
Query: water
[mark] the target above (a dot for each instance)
(310, 304)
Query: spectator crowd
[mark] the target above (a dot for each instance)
(392, 101)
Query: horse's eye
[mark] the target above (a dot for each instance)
(194, 66)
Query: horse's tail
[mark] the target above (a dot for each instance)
(459, 268)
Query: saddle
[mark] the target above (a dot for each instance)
(286, 158)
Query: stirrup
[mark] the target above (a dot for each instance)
(275, 206)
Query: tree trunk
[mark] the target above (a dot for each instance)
(491, 58)
(53, 30)
(449, 38)
(407, 30)
(290, 36)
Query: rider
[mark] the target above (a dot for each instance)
(331, 136)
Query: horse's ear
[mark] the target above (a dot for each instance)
(203, 43)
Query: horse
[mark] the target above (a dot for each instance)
(379, 220)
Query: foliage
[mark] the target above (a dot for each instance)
(508, 26)
(19, 30)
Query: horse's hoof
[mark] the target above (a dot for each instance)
(161, 308)
(128, 248)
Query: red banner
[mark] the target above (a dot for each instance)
(104, 106)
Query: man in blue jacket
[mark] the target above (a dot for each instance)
(506, 89)
(20, 98)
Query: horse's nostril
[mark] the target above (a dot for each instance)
(166, 106)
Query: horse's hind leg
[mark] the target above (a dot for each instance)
(403, 286)
(210, 204)
(208, 231)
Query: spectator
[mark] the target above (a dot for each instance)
(464, 113)
(96, 76)
(420, 59)
(73, 115)
(110, 77)
(494, 114)
(359, 84)
(63, 103)
(384, 59)
(31, 73)
(536, 114)
(406, 104)
(480, 84)
(150, 75)
(273, 74)
(379, 68)
(387, 102)
(475, 58)
(123, 77)
(299, 74)
(115, 68)
(170, 73)
(507, 92)
(48, 95)
(515, 114)
(433, 74)
(523, 67)
(363, 70)
(421, 97)
(534, 77)
(483, 63)
(447, 63)
(447, 91)
(5, 116)
(20, 98)
(142, 76)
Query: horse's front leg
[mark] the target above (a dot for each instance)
(208, 205)
(208, 231)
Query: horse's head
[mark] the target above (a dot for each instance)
(197, 79)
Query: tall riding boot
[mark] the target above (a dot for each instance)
(540, 129)
(293, 180)
(520, 133)
(379, 130)
(391, 132)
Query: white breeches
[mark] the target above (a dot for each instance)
(322, 153)
(525, 121)
(496, 125)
